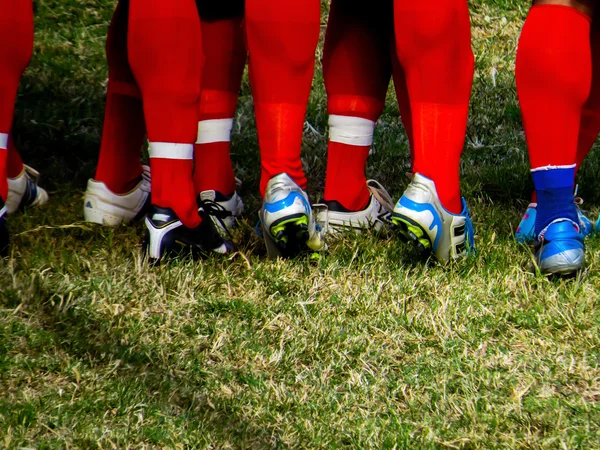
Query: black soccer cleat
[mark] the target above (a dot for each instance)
(167, 237)
(3, 230)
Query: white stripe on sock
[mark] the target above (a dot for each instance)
(540, 169)
(215, 130)
(3, 141)
(351, 130)
(168, 150)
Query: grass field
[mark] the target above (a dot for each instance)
(366, 347)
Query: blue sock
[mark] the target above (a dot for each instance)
(554, 188)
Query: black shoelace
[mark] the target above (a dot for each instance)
(214, 209)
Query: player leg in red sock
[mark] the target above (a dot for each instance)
(590, 116)
(433, 43)
(357, 70)
(14, 163)
(553, 73)
(165, 54)
(282, 38)
(401, 89)
(120, 191)
(588, 131)
(16, 45)
(225, 58)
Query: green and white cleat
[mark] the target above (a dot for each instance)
(289, 225)
(420, 217)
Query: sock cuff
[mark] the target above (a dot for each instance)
(214, 130)
(348, 130)
(553, 177)
(169, 150)
(547, 7)
(4, 141)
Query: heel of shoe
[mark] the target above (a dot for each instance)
(157, 241)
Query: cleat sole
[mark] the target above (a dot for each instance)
(410, 231)
(289, 236)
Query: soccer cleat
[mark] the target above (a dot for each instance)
(420, 217)
(3, 230)
(560, 249)
(526, 230)
(289, 225)
(224, 211)
(23, 191)
(331, 215)
(166, 236)
(104, 207)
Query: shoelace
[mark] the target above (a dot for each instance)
(31, 173)
(381, 194)
(214, 209)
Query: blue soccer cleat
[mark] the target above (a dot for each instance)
(289, 225)
(560, 249)
(526, 230)
(420, 217)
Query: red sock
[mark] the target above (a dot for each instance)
(357, 70)
(165, 54)
(433, 44)
(16, 45)
(225, 54)
(119, 166)
(402, 96)
(590, 116)
(282, 38)
(14, 163)
(553, 73)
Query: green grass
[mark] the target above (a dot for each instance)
(365, 347)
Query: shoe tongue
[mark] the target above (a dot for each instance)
(208, 195)
(214, 196)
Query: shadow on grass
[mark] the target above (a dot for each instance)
(138, 369)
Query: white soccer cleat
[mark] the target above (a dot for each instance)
(104, 207)
(420, 217)
(23, 191)
(223, 211)
(332, 216)
(289, 225)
